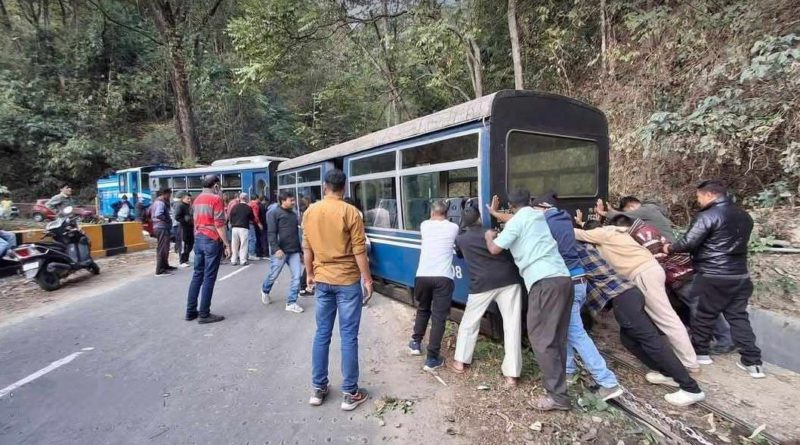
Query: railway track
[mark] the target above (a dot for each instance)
(669, 428)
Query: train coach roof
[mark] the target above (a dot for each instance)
(212, 169)
(474, 110)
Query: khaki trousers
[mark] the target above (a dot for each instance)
(509, 300)
(650, 279)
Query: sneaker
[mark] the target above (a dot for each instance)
(294, 307)
(722, 350)
(172, 268)
(546, 403)
(211, 318)
(302, 292)
(658, 378)
(433, 363)
(755, 371)
(414, 348)
(351, 401)
(245, 263)
(319, 396)
(191, 317)
(704, 360)
(607, 394)
(184, 265)
(163, 274)
(265, 298)
(684, 398)
(234, 263)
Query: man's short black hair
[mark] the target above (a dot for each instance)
(714, 186)
(592, 224)
(336, 179)
(209, 181)
(165, 191)
(519, 197)
(284, 195)
(625, 200)
(124, 197)
(64, 185)
(621, 220)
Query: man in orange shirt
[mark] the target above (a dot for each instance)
(335, 256)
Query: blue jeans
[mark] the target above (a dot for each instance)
(580, 342)
(275, 268)
(346, 300)
(251, 241)
(207, 256)
(8, 240)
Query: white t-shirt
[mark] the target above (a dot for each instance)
(436, 257)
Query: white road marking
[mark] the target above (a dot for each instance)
(241, 269)
(51, 367)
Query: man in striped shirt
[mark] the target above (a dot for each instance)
(211, 243)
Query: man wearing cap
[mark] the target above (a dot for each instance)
(491, 278)
(211, 243)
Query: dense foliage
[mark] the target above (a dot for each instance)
(692, 89)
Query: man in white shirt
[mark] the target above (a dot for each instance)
(433, 287)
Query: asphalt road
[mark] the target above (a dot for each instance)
(137, 373)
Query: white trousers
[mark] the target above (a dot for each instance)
(509, 300)
(239, 244)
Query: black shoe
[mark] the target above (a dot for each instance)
(211, 318)
(722, 350)
(172, 268)
(191, 317)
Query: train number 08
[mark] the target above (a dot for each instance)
(457, 272)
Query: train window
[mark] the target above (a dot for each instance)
(232, 180)
(377, 200)
(163, 183)
(179, 183)
(447, 150)
(420, 190)
(123, 182)
(195, 182)
(312, 175)
(539, 163)
(287, 179)
(307, 196)
(145, 182)
(383, 162)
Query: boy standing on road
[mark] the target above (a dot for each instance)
(241, 216)
(491, 278)
(336, 262)
(211, 244)
(183, 214)
(549, 285)
(284, 243)
(433, 287)
(717, 240)
(162, 224)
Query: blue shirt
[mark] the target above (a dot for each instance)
(561, 228)
(534, 250)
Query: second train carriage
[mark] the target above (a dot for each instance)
(254, 175)
(484, 147)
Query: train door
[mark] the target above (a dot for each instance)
(133, 183)
(260, 184)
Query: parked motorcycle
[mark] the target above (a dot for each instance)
(51, 261)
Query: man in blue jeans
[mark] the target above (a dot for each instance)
(210, 245)
(8, 240)
(284, 244)
(335, 256)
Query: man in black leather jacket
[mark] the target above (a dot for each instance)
(717, 241)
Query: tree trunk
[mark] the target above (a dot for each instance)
(477, 67)
(603, 32)
(187, 130)
(5, 21)
(515, 51)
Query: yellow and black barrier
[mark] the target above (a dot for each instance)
(106, 239)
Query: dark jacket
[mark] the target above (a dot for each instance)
(241, 216)
(282, 230)
(183, 214)
(718, 238)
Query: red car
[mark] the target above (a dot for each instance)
(40, 212)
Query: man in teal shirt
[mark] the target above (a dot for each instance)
(549, 286)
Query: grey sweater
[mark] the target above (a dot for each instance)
(652, 214)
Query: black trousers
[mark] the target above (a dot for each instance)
(729, 297)
(187, 242)
(434, 296)
(641, 337)
(549, 309)
(162, 251)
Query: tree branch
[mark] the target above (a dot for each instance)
(118, 23)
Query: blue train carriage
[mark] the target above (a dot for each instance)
(254, 175)
(487, 146)
(127, 182)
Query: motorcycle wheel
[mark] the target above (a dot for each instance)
(94, 268)
(48, 281)
(38, 217)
